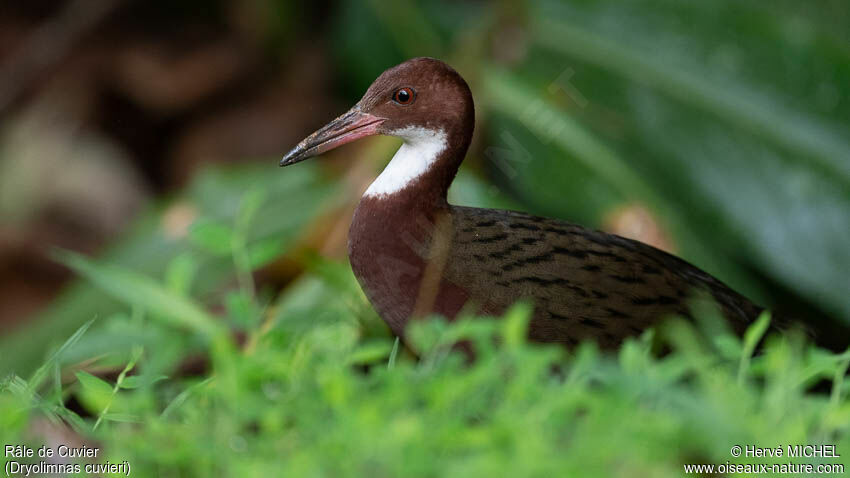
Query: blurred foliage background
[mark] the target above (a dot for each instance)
(147, 134)
(717, 131)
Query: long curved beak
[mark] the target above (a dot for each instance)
(352, 125)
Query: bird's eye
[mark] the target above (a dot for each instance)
(404, 96)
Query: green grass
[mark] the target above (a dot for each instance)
(316, 389)
(734, 137)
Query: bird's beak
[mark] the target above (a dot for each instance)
(352, 125)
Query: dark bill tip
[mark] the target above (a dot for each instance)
(351, 126)
(295, 155)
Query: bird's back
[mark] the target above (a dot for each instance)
(584, 283)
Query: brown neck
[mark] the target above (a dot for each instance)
(430, 188)
(391, 240)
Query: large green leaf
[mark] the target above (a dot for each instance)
(729, 119)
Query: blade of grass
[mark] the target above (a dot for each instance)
(752, 337)
(182, 397)
(38, 376)
(838, 381)
(393, 355)
(142, 291)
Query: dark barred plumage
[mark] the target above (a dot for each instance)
(585, 283)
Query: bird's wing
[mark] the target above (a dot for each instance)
(584, 283)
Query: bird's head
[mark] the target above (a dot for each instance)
(417, 98)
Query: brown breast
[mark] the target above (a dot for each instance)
(398, 255)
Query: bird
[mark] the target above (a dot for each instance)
(415, 255)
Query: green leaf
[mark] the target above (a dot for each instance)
(180, 272)
(241, 308)
(96, 392)
(15, 406)
(742, 106)
(122, 417)
(752, 337)
(738, 140)
(250, 205)
(515, 324)
(35, 381)
(212, 236)
(370, 352)
(263, 252)
(183, 396)
(141, 381)
(141, 291)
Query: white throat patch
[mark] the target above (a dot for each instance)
(420, 150)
